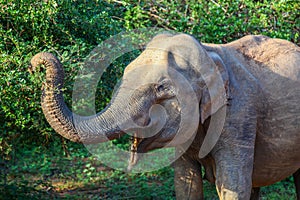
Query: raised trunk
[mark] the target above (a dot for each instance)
(93, 129)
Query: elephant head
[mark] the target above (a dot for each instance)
(174, 78)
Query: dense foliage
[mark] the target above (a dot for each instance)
(72, 28)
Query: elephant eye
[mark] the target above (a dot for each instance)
(160, 88)
(163, 85)
(165, 89)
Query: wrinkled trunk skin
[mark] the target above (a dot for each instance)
(93, 129)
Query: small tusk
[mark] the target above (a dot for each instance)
(133, 154)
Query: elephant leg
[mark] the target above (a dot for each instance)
(296, 176)
(234, 157)
(188, 179)
(255, 193)
(234, 178)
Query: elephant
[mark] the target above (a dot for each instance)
(260, 94)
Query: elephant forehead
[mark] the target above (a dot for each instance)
(167, 42)
(183, 47)
(150, 59)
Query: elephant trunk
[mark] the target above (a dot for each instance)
(92, 129)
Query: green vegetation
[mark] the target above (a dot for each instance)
(36, 163)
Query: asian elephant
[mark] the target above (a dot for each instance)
(260, 95)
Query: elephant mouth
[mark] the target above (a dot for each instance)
(139, 146)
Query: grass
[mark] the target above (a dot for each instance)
(40, 173)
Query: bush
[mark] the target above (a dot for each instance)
(219, 21)
(66, 28)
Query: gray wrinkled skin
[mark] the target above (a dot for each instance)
(259, 143)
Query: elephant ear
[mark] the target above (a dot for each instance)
(216, 91)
